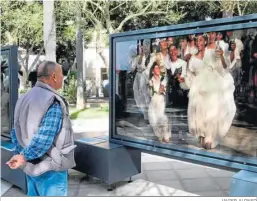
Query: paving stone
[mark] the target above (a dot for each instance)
(146, 188)
(92, 190)
(147, 158)
(160, 175)
(140, 176)
(75, 177)
(192, 173)
(157, 166)
(73, 190)
(212, 193)
(14, 192)
(183, 165)
(176, 184)
(5, 186)
(219, 173)
(224, 182)
(200, 185)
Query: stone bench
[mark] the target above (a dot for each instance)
(106, 161)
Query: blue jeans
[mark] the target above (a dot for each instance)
(50, 183)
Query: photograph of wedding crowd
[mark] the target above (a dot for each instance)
(197, 91)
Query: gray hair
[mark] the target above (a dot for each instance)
(46, 68)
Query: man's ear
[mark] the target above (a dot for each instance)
(54, 77)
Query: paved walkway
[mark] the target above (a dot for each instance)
(160, 176)
(90, 125)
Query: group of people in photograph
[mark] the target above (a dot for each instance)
(199, 73)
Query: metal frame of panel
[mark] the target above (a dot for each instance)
(170, 150)
(16, 177)
(13, 78)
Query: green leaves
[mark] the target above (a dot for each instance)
(23, 21)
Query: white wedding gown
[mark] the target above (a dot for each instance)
(211, 106)
(140, 88)
(156, 112)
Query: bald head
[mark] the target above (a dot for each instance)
(50, 73)
(46, 68)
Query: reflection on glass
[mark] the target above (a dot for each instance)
(5, 127)
(197, 91)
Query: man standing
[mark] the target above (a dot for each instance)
(191, 48)
(176, 72)
(43, 135)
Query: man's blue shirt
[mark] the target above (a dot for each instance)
(42, 141)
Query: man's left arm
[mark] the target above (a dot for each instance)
(17, 147)
(42, 141)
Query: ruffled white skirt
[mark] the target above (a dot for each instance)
(157, 117)
(211, 106)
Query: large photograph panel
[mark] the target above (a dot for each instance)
(196, 91)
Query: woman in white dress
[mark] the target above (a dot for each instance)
(156, 112)
(211, 107)
(191, 48)
(142, 64)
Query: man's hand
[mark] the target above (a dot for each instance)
(16, 161)
(181, 79)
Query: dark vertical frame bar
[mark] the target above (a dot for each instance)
(114, 63)
(13, 62)
(111, 108)
(13, 80)
(112, 85)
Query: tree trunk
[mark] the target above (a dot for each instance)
(23, 78)
(79, 59)
(100, 45)
(25, 71)
(84, 73)
(101, 54)
(32, 66)
(49, 30)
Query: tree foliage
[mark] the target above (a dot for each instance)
(117, 16)
(238, 8)
(21, 23)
